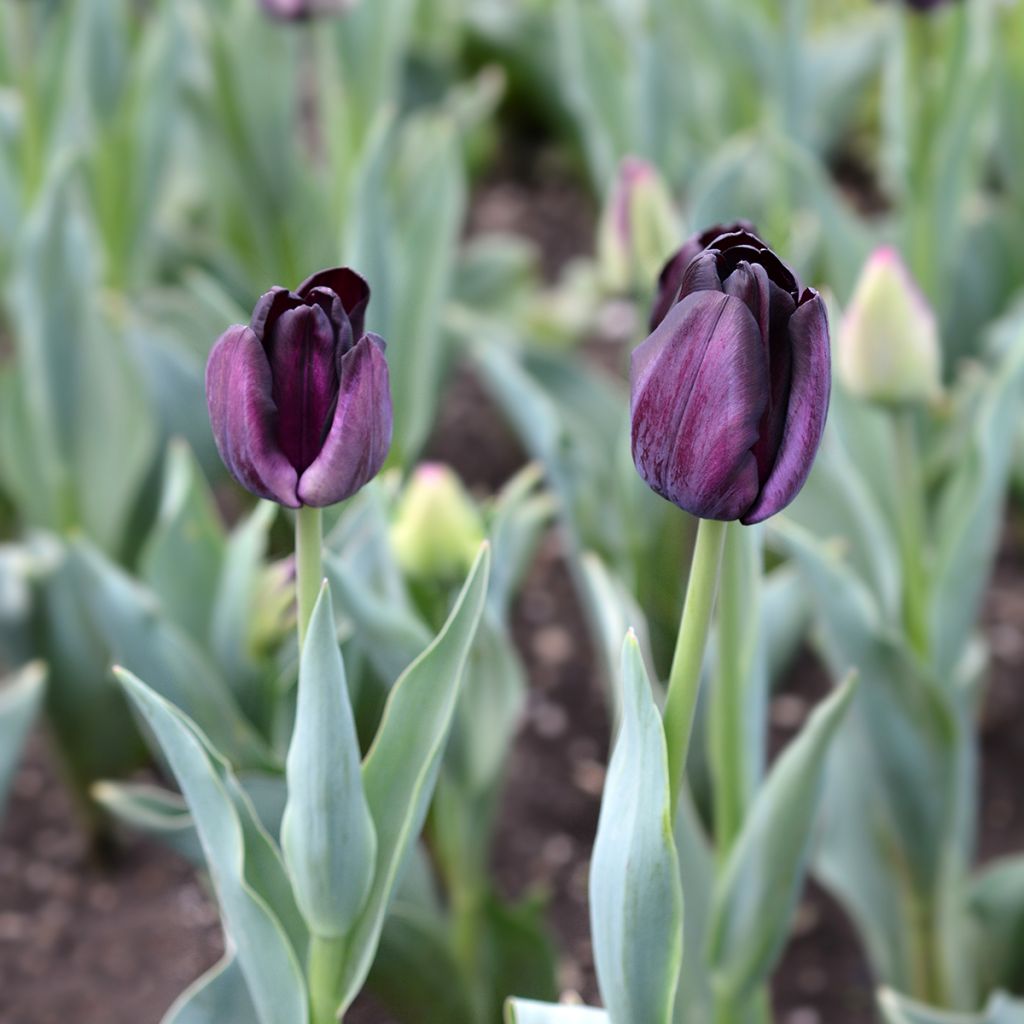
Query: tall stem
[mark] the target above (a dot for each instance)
(308, 564)
(728, 750)
(913, 531)
(684, 676)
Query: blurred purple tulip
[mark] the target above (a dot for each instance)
(731, 390)
(299, 400)
(303, 10)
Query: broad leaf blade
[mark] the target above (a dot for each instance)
(636, 903)
(328, 833)
(760, 883)
(231, 841)
(401, 767)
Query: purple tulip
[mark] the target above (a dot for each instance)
(299, 400)
(303, 10)
(730, 391)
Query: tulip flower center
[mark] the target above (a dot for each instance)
(304, 365)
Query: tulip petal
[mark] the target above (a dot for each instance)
(701, 275)
(699, 393)
(244, 417)
(357, 443)
(269, 307)
(807, 407)
(349, 286)
(305, 372)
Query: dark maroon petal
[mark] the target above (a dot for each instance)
(806, 409)
(671, 276)
(349, 286)
(780, 363)
(333, 308)
(749, 283)
(701, 275)
(743, 246)
(244, 418)
(359, 437)
(303, 362)
(269, 307)
(699, 391)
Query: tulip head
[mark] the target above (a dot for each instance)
(437, 529)
(889, 347)
(299, 399)
(731, 390)
(638, 226)
(303, 10)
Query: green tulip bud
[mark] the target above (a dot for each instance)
(437, 528)
(889, 348)
(639, 227)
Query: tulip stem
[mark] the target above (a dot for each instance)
(913, 532)
(684, 676)
(308, 564)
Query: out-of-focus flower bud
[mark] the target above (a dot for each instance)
(889, 347)
(303, 10)
(437, 528)
(638, 228)
(273, 611)
(730, 392)
(299, 400)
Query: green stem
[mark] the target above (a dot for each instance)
(324, 971)
(308, 564)
(728, 750)
(684, 676)
(913, 531)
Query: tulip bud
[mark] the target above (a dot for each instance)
(303, 10)
(272, 614)
(638, 227)
(299, 400)
(889, 342)
(731, 390)
(437, 528)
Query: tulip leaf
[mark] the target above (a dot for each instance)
(971, 507)
(391, 634)
(758, 887)
(636, 903)
(401, 768)
(182, 558)
(231, 620)
(995, 907)
(20, 697)
(165, 816)
(526, 1011)
(220, 996)
(127, 619)
(894, 762)
(253, 891)
(327, 834)
(93, 725)
(898, 1009)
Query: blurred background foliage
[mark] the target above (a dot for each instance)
(164, 162)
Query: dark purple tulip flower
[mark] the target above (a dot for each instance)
(303, 10)
(731, 390)
(299, 400)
